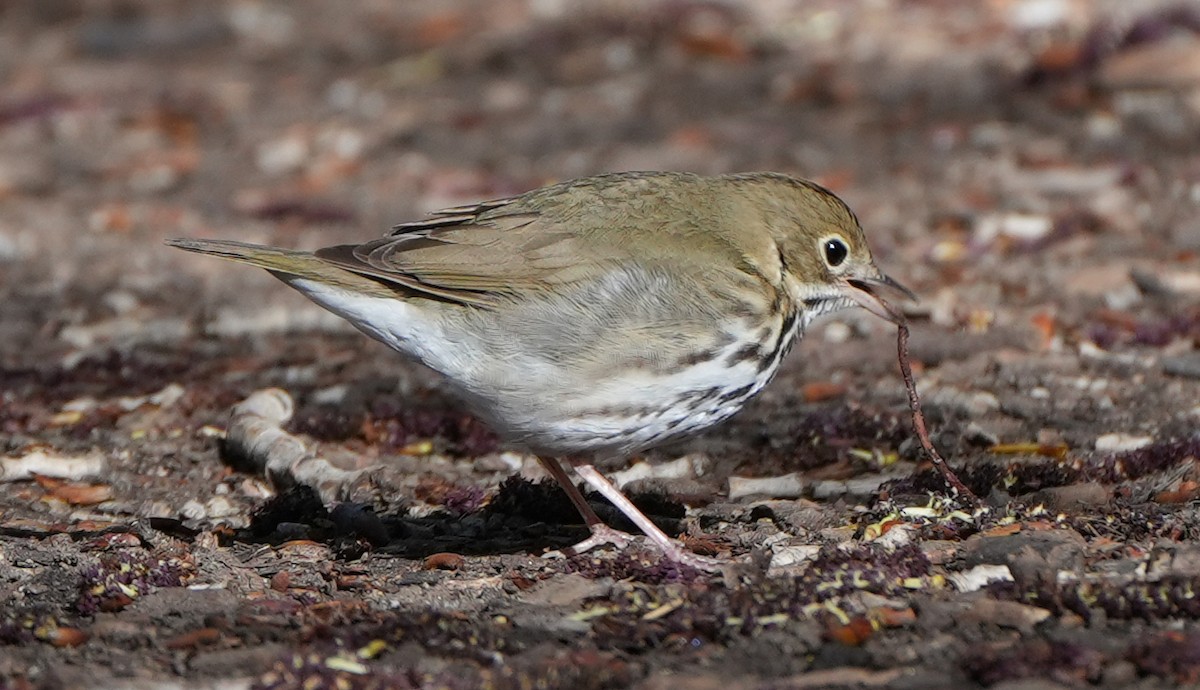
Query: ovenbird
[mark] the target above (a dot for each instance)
(601, 316)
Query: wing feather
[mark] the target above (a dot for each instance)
(487, 253)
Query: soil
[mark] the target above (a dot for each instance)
(1029, 168)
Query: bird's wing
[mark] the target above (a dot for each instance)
(485, 254)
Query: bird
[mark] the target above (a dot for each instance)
(596, 318)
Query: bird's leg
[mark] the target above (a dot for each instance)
(672, 549)
(556, 471)
(601, 534)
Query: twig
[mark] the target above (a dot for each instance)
(918, 417)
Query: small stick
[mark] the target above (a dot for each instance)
(918, 417)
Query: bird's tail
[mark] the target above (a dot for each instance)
(286, 264)
(271, 258)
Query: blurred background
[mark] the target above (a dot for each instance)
(969, 136)
(1030, 167)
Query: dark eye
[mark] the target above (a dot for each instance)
(835, 252)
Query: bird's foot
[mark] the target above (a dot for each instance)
(680, 554)
(673, 550)
(602, 535)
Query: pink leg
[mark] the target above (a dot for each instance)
(602, 534)
(589, 516)
(670, 548)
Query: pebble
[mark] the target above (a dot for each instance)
(837, 535)
(837, 332)
(1181, 282)
(1185, 365)
(219, 507)
(975, 404)
(116, 631)
(193, 510)
(219, 663)
(564, 590)
(26, 173)
(505, 461)
(798, 517)
(331, 395)
(1182, 560)
(1029, 555)
(1031, 15)
(792, 555)
(8, 248)
(50, 464)
(1074, 496)
(940, 551)
(827, 489)
(263, 23)
(168, 396)
(685, 467)
(154, 179)
(1154, 65)
(785, 486)
(1119, 674)
(1121, 443)
(977, 435)
(345, 143)
(1017, 226)
(506, 96)
(282, 155)
(1006, 614)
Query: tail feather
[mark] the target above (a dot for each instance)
(285, 264)
(271, 258)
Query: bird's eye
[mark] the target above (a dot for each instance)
(835, 252)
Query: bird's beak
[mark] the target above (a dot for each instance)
(870, 294)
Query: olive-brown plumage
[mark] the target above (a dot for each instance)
(600, 316)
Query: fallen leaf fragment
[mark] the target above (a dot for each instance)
(873, 532)
(1003, 530)
(67, 637)
(1050, 450)
(444, 561)
(853, 633)
(1188, 491)
(888, 617)
(75, 493)
(194, 639)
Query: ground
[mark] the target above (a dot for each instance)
(1031, 168)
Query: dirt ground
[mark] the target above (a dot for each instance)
(1031, 168)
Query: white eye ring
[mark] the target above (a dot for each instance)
(834, 250)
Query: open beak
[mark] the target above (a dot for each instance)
(871, 293)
